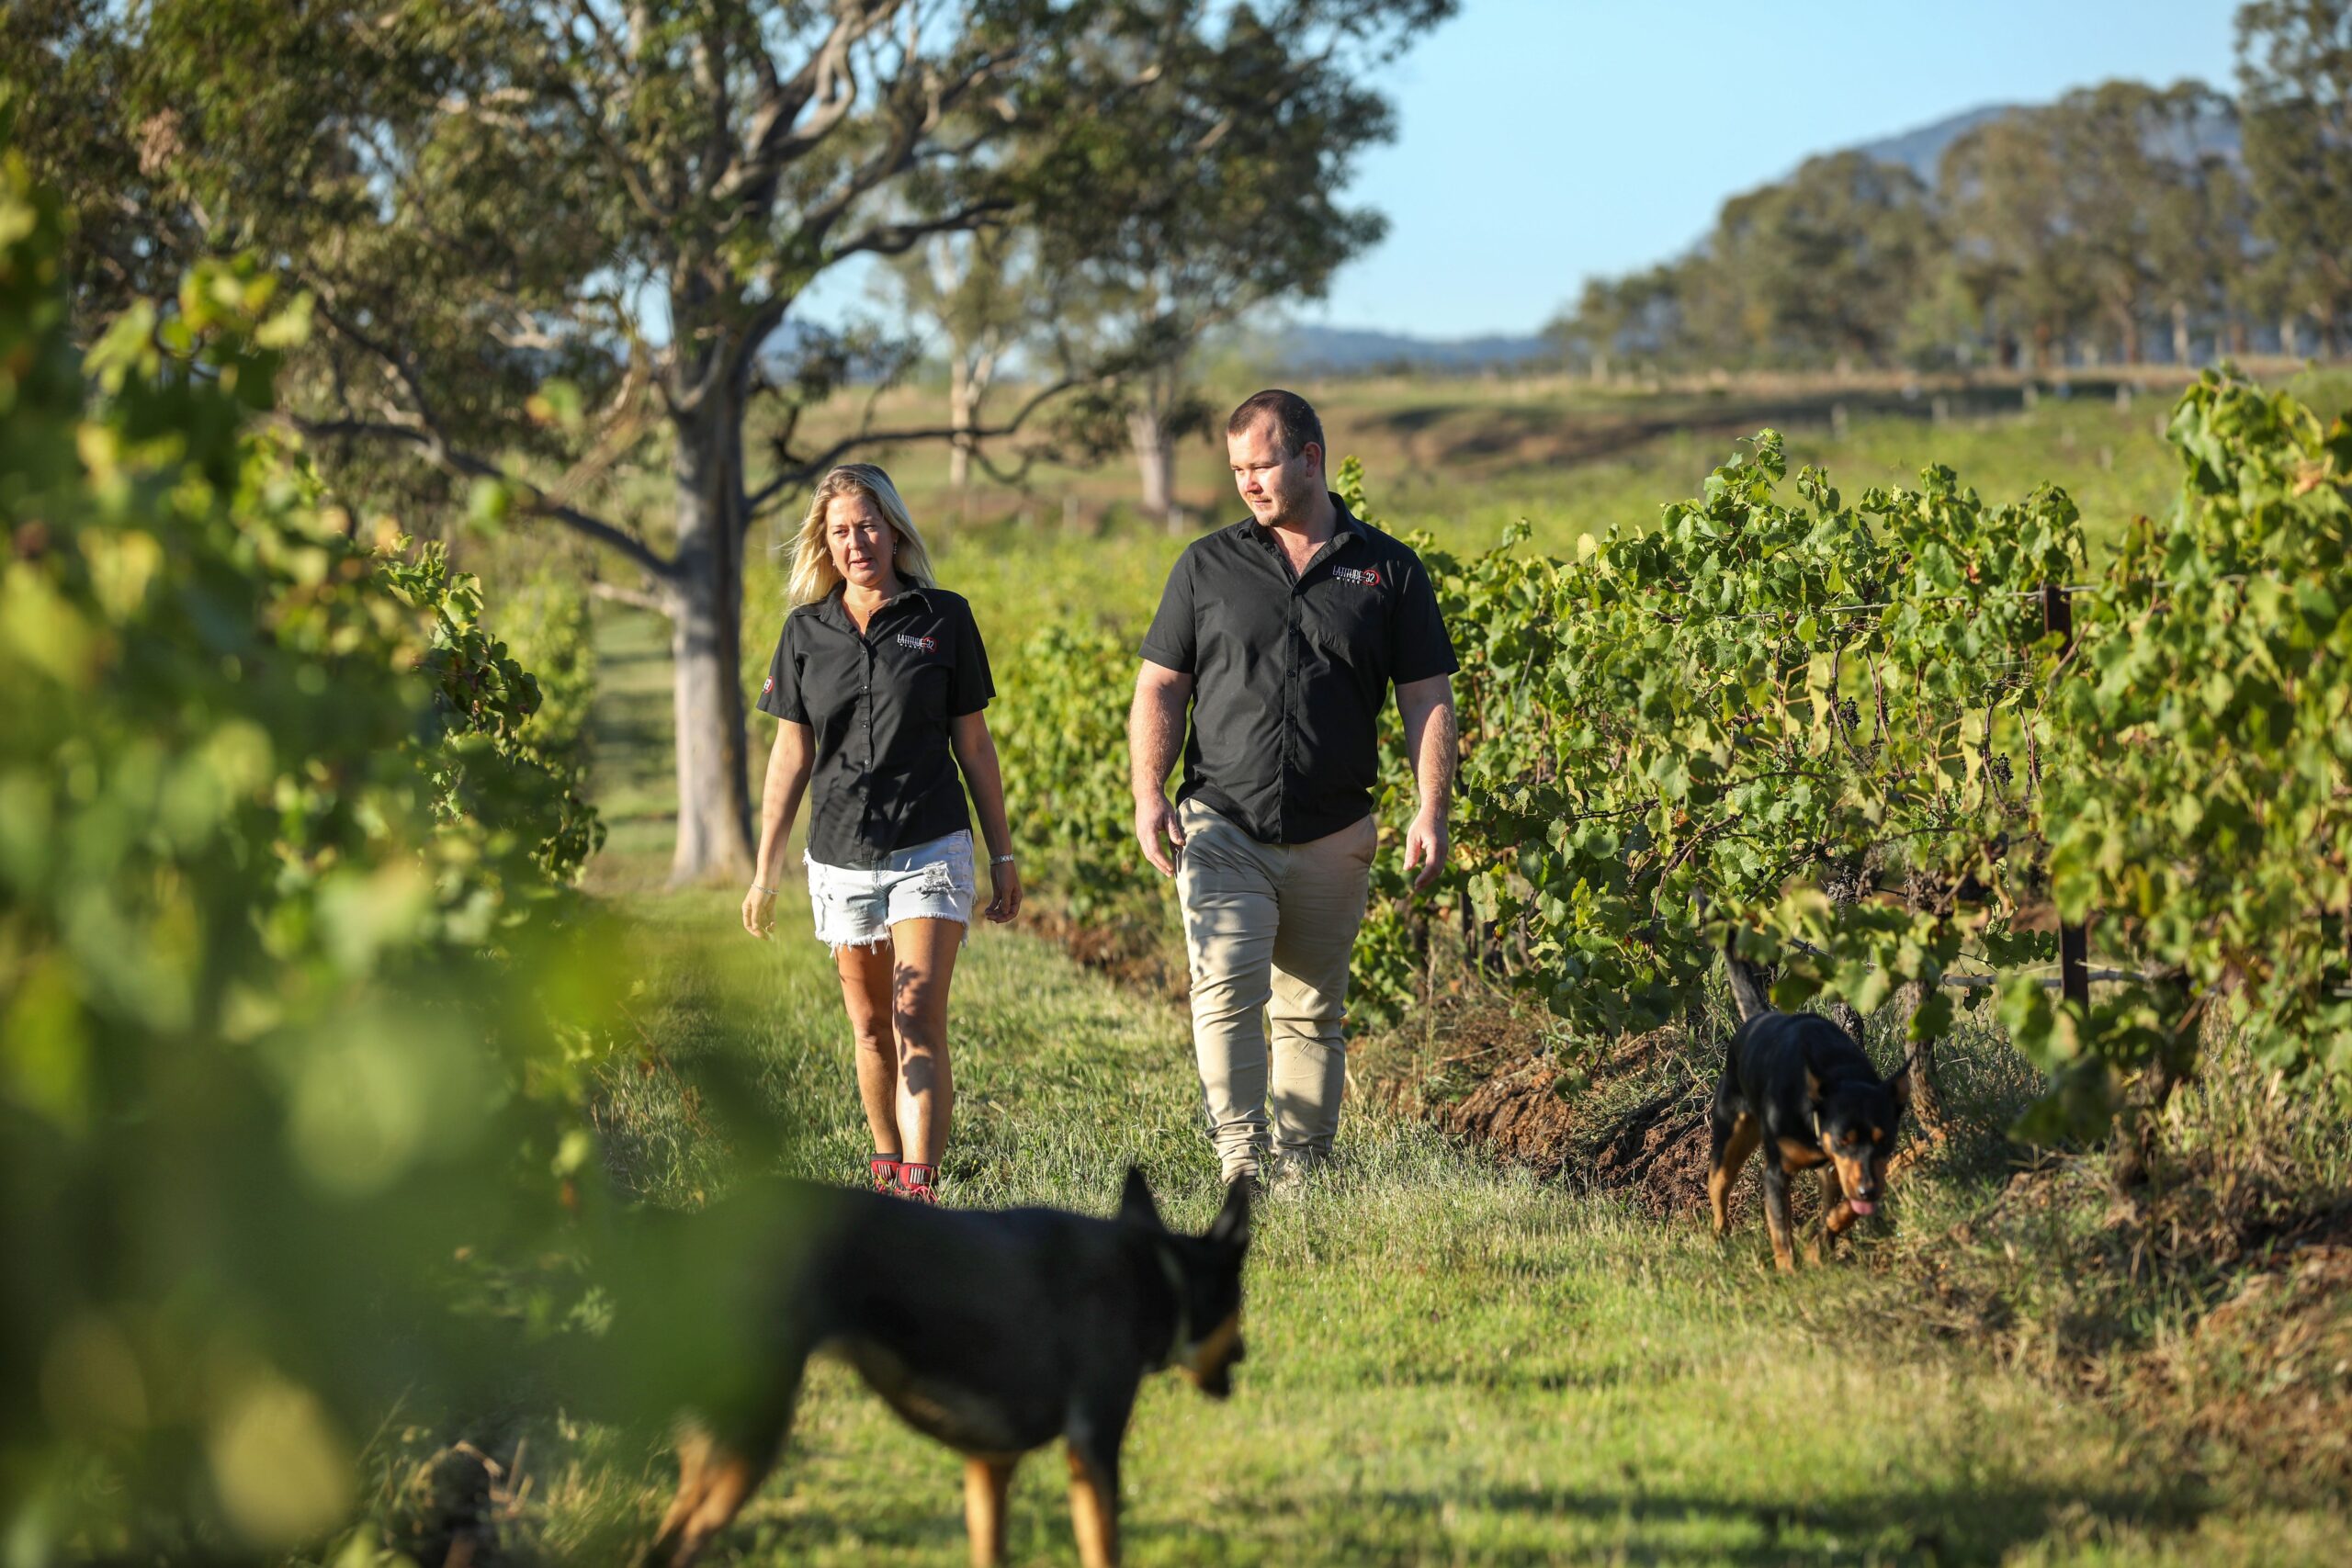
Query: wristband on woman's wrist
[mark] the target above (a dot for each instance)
(1001, 859)
(757, 888)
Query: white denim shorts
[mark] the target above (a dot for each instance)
(856, 905)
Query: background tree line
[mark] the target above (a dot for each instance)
(2123, 222)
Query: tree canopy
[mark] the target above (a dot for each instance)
(2119, 218)
(544, 239)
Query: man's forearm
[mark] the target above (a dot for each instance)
(1436, 747)
(1155, 734)
(1430, 740)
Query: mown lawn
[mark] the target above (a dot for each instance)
(1448, 1362)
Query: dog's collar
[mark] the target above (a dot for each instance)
(1180, 1334)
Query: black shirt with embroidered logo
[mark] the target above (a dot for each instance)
(1290, 671)
(878, 704)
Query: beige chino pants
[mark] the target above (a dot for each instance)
(1270, 929)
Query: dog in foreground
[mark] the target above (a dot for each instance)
(993, 1332)
(1801, 1088)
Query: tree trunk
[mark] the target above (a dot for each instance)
(960, 402)
(706, 642)
(1154, 463)
(2289, 342)
(2137, 1122)
(969, 371)
(2180, 344)
(1926, 1088)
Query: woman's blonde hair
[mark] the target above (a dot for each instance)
(813, 572)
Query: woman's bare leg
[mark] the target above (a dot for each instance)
(925, 963)
(865, 992)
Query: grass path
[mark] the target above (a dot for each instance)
(1447, 1363)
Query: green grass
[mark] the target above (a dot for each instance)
(1448, 1363)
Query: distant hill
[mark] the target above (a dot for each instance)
(1305, 349)
(1921, 148)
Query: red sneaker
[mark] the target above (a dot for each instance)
(914, 1182)
(882, 1172)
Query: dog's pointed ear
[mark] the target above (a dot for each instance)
(1135, 1205)
(1231, 1227)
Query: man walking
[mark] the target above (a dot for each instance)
(1284, 632)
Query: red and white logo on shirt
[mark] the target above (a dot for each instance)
(919, 644)
(769, 686)
(1362, 576)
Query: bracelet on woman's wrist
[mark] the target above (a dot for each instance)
(1001, 859)
(769, 891)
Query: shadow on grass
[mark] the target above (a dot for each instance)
(1938, 1525)
(1934, 1524)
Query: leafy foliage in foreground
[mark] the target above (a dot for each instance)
(285, 961)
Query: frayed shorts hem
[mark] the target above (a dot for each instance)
(871, 943)
(854, 907)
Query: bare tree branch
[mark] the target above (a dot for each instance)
(400, 366)
(798, 472)
(636, 598)
(777, 134)
(920, 101)
(890, 238)
(460, 464)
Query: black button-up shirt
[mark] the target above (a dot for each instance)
(1290, 671)
(878, 704)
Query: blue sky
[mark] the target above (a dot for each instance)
(1542, 141)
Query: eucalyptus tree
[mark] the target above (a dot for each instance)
(544, 238)
(2093, 212)
(982, 292)
(2006, 192)
(1617, 321)
(1827, 260)
(2295, 93)
(2202, 230)
(1216, 191)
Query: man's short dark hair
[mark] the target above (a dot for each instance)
(1293, 418)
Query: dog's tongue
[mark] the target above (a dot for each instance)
(1861, 1205)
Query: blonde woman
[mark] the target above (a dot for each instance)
(879, 679)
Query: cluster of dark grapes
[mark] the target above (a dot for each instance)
(1999, 768)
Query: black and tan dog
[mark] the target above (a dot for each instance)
(1802, 1088)
(993, 1331)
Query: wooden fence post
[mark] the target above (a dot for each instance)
(2074, 941)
